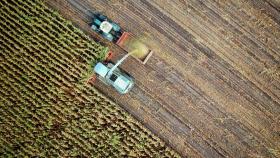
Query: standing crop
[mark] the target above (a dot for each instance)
(45, 109)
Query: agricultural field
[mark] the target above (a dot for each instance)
(46, 108)
(212, 86)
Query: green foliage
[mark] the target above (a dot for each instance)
(115, 140)
(45, 109)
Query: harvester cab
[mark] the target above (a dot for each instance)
(108, 72)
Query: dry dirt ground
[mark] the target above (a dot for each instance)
(212, 87)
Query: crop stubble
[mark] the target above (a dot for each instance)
(216, 71)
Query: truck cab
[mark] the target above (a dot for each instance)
(107, 28)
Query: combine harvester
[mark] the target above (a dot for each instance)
(108, 72)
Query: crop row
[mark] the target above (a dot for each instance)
(45, 109)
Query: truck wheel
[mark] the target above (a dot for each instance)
(108, 36)
(97, 22)
(116, 27)
(101, 17)
(94, 27)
